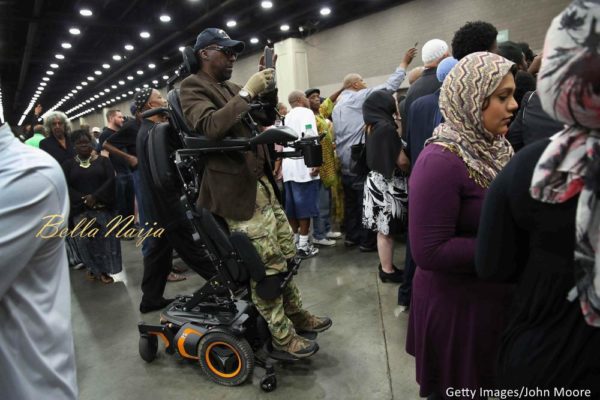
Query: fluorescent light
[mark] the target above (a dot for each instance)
(86, 12)
(74, 31)
(231, 23)
(165, 18)
(254, 40)
(266, 4)
(129, 47)
(116, 57)
(285, 27)
(144, 35)
(325, 11)
(66, 45)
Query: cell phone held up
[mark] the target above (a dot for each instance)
(268, 57)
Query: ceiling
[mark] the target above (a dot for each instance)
(32, 33)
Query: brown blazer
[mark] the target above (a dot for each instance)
(214, 109)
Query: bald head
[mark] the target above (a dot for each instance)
(354, 82)
(298, 99)
(414, 74)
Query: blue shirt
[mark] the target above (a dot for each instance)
(348, 120)
(37, 356)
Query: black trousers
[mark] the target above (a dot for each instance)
(405, 289)
(353, 212)
(158, 261)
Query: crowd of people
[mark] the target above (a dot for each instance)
(487, 167)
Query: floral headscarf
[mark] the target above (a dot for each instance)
(569, 89)
(462, 96)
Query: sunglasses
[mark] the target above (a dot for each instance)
(227, 51)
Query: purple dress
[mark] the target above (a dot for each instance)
(455, 319)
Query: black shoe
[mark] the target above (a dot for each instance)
(349, 243)
(395, 277)
(367, 249)
(146, 308)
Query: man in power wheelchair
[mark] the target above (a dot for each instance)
(251, 305)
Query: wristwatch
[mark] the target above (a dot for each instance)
(245, 95)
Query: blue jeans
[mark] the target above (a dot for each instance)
(124, 194)
(322, 223)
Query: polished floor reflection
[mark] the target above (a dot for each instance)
(361, 357)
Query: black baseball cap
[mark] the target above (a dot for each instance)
(219, 37)
(310, 91)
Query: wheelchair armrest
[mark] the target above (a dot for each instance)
(202, 142)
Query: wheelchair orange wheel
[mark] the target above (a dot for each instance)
(225, 358)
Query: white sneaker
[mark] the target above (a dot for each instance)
(334, 235)
(307, 251)
(324, 242)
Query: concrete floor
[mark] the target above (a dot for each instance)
(361, 357)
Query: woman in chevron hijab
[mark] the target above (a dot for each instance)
(456, 319)
(540, 224)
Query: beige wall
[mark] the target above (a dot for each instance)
(374, 45)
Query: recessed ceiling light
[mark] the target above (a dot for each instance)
(144, 35)
(129, 47)
(74, 91)
(98, 72)
(86, 12)
(53, 65)
(254, 40)
(116, 57)
(121, 82)
(325, 11)
(146, 85)
(151, 66)
(165, 18)
(137, 89)
(139, 72)
(130, 92)
(285, 27)
(130, 78)
(165, 77)
(106, 66)
(74, 31)
(45, 79)
(96, 96)
(118, 97)
(231, 23)
(181, 48)
(113, 86)
(43, 84)
(91, 78)
(59, 56)
(66, 45)
(107, 90)
(155, 82)
(49, 72)
(266, 4)
(84, 83)
(78, 87)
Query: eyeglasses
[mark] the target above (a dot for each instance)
(227, 51)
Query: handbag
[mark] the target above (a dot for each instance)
(358, 157)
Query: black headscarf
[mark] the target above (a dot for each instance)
(382, 140)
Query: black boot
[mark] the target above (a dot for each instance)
(395, 277)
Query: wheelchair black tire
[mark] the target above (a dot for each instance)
(239, 363)
(148, 347)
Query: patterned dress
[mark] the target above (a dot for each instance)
(385, 203)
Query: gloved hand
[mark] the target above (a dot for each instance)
(259, 82)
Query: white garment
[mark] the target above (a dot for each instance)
(37, 356)
(294, 169)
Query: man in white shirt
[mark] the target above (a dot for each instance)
(300, 182)
(37, 357)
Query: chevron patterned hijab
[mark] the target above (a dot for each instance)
(462, 97)
(569, 88)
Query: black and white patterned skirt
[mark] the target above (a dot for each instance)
(385, 203)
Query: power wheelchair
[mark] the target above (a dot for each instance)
(217, 326)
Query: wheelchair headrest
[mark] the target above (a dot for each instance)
(177, 112)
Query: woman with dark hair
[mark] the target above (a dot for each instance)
(91, 181)
(455, 319)
(385, 196)
(540, 224)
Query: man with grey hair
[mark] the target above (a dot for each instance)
(58, 143)
(348, 121)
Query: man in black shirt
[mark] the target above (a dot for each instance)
(58, 144)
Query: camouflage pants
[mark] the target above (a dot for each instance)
(271, 235)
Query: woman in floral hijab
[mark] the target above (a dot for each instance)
(541, 220)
